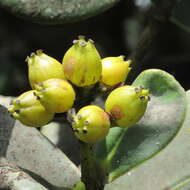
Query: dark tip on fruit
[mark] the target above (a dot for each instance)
(17, 102)
(90, 40)
(85, 131)
(34, 93)
(73, 122)
(82, 44)
(75, 41)
(40, 84)
(79, 117)
(72, 112)
(43, 90)
(86, 122)
(11, 102)
(37, 98)
(142, 98)
(17, 111)
(11, 115)
(137, 90)
(141, 87)
(32, 54)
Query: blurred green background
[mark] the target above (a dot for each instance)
(115, 32)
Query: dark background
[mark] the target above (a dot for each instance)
(115, 32)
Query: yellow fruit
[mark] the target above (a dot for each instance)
(82, 63)
(29, 111)
(114, 70)
(127, 104)
(42, 67)
(56, 95)
(91, 124)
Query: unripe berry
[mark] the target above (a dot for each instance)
(56, 95)
(79, 186)
(82, 63)
(29, 111)
(127, 104)
(91, 124)
(42, 67)
(114, 70)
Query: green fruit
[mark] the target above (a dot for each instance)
(42, 67)
(82, 63)
(127, 104)
(29, 111)
(91, 124)
(79, 186)
(114, 70)
(56, 95)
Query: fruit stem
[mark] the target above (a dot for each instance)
(92, 175)
(158, 20)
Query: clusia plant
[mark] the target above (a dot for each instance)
(69, 88)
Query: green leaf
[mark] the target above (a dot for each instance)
(183, 184)
(14, 178)
(124, 149)
(79, 186)
(180, 14)
(62, 136)
(170, 169)
(27, 148)
(57, 11)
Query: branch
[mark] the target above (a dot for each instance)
(56, 11)
(28, 148)
(92, 175)
(159, 18)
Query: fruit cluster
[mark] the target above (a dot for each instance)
(53, 91)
